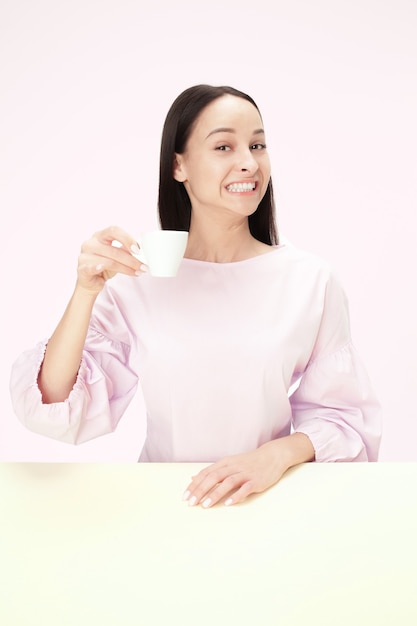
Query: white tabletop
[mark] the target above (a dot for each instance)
(113, 544)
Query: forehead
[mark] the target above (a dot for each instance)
(228, 112)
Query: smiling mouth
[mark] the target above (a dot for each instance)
(241, 187)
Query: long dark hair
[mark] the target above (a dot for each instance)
(174, 205)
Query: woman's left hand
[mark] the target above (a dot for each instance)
(240, 475)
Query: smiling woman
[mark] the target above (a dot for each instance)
(225, 172)
(217, 349)
(206, 119)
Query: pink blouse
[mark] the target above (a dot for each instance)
(218, 351)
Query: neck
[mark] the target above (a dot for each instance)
(218, 243)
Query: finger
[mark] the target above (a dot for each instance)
(103, 243)
(221, 490)
(96, 264)
(116, 234)
(197, 479)
(199, 489)
(118, 243)
(110, 252)
(241, 494)
(217, 471)
(220, 465)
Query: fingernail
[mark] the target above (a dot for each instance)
(192, 501)
(228, 502)
(206, 503)
(186, 495)
(135, 248)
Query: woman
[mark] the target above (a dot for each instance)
(217, 348)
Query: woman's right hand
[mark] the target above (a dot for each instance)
(100, 259)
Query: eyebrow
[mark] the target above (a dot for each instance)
(259, 131)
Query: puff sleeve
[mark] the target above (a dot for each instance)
(105, 384)
(334, 404)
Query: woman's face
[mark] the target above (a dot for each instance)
(225, 167)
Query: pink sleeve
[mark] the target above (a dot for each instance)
(336, 408)
(334, 404)
(104, 387)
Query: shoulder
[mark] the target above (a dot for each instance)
(311, 273)
(304, 257)
(303, 262)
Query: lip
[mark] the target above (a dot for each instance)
(242, 182)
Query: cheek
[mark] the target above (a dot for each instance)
(211, 173)
(266, 165)
(200, 168)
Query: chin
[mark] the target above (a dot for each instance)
(245, 211)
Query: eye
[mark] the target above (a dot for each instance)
(258, 146)
(223, 148)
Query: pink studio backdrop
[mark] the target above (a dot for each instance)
(85, 86)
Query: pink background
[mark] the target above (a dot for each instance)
(85, 87)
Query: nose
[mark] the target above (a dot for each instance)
(247, 162)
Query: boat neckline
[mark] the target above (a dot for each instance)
(275, 248)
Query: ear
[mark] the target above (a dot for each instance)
(178, 170)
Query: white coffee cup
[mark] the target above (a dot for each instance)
(162, 251)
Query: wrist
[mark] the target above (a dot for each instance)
(292, 450)
(85, 294)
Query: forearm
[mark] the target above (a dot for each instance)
(64, 350)
(292, 450)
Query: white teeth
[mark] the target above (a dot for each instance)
(240, 187)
